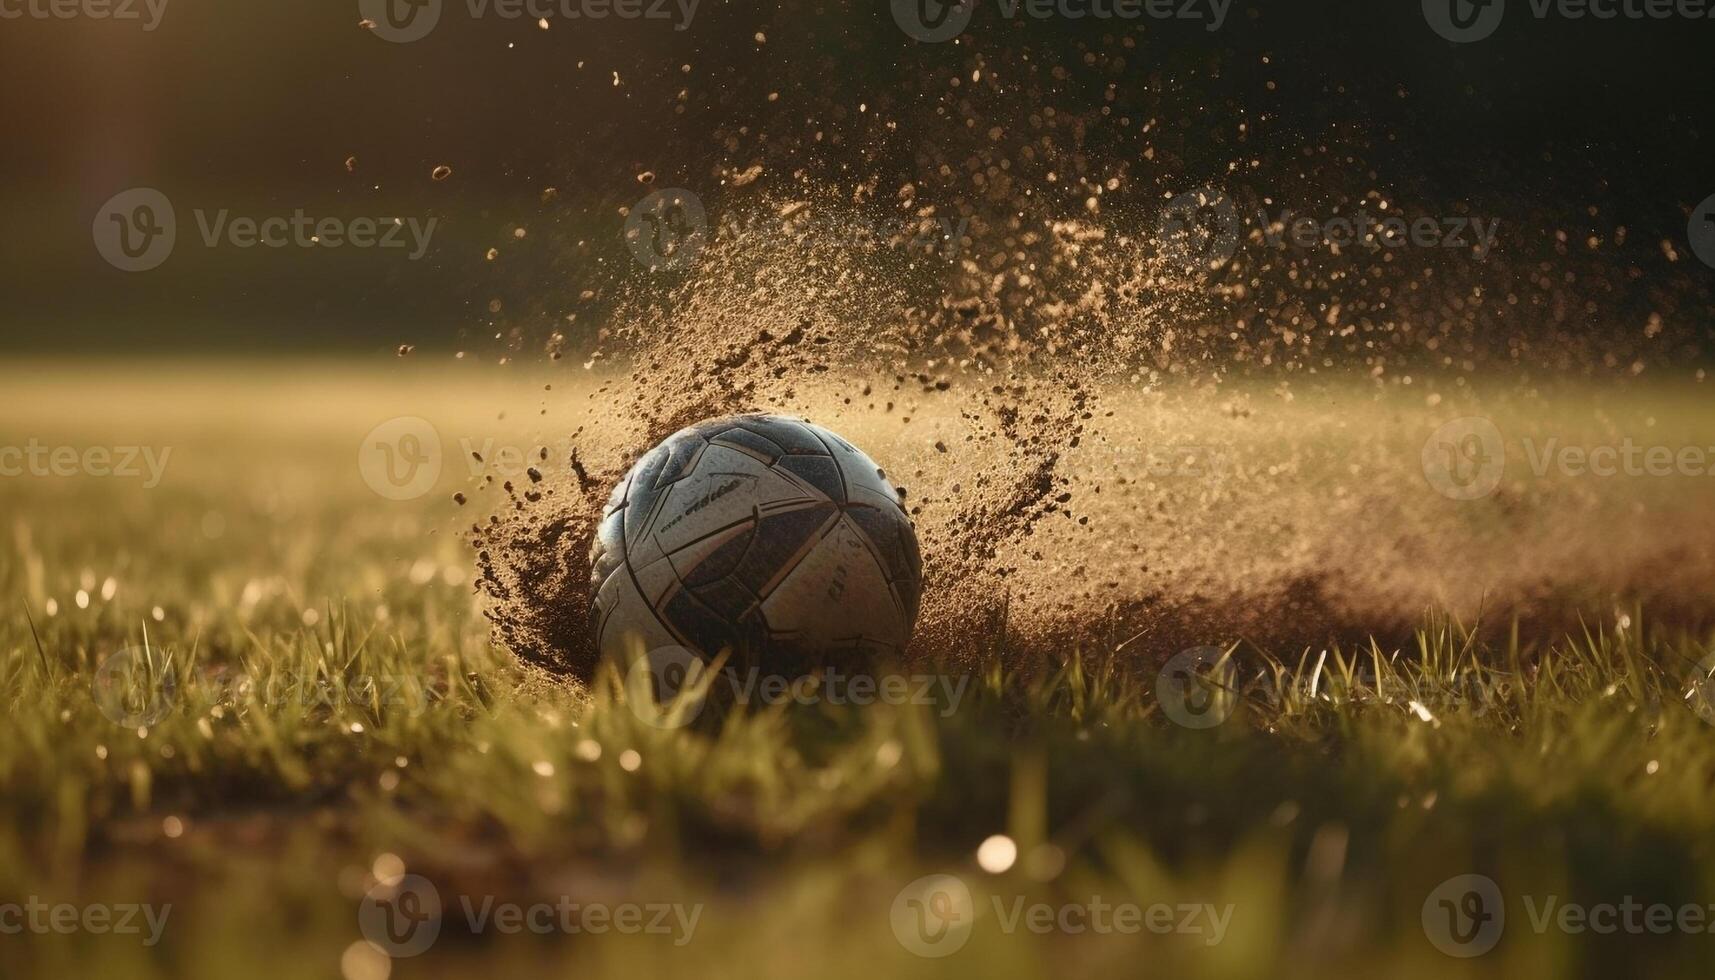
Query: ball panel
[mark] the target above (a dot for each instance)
(683, 453)
(716, 556)
(820, 473)
(609, 549)
(732, 601)
(641, 496)
(835, 596)
(697, 625)
(747, 441)
(860, 471)
(724, 491)
(655, 580)
(789, 435)
(759, 533)
(884, 500)
(882, 533)
(783, 536)
(622, 617)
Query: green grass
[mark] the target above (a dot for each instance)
(338, 701)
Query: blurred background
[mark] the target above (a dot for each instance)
(263, 110)
(271, 537)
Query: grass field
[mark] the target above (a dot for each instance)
(338, 716)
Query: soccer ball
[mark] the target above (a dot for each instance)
(758, 534)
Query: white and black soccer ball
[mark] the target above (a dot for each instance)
(759, 534)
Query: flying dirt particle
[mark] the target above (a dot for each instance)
(441, 173)
(585, 482)
(1051, 298)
